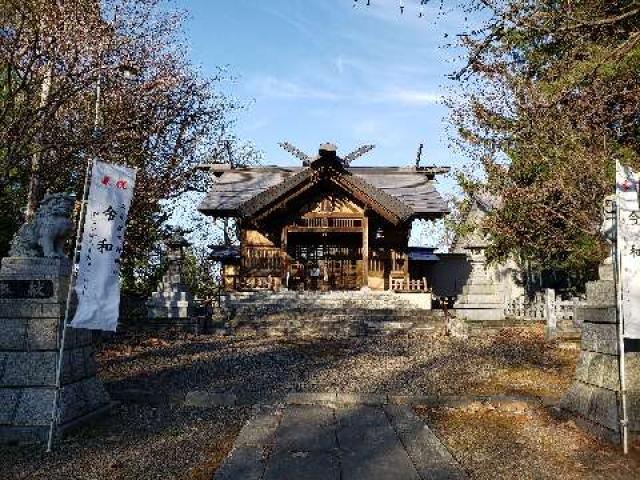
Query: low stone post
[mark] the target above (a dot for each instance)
(551, 328)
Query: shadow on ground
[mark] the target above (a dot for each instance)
(152, 434)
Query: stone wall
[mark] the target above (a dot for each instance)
(32, 303)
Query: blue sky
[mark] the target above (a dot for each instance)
(321, 70)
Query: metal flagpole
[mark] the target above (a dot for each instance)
(56, 397)
(620, 322)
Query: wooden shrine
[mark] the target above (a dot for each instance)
(325, 225)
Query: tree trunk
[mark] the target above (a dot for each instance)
(36, 159)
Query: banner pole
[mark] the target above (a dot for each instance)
(620, 323)
(56, 396)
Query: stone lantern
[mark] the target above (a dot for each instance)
(171, 305)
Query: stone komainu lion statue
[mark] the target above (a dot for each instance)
(46, 234)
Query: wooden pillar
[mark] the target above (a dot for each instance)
(240, 281)
(365, 252)
(284, 257)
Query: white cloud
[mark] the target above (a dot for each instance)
(409, 96)
(273, 87)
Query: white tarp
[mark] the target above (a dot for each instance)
(97, 284)
(629, 248)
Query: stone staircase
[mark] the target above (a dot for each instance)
(349, 313)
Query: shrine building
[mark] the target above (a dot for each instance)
(325, 225)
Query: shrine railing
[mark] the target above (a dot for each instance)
(261, 259)
(538, 307)
(408, 285)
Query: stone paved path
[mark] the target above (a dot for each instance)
(358, 442)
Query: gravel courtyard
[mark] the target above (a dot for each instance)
(152, 433)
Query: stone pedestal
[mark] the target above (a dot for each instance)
(172, 304)
(481, 300)
(33, 293)
(595, 394)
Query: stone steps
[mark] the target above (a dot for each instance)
(328, 313)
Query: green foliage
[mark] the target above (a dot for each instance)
(552, 85)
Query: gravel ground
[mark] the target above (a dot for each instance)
(153, 435)
(520, 441)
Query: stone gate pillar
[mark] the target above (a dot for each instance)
(33, 293)
(595, 394)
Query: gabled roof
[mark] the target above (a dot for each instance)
(403, 193)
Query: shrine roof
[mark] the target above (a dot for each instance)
(413, 187)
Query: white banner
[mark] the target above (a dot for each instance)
(98, 282)
(629, 248)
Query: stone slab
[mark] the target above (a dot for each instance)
(343, 443)
(374, 453)
(244, 463)
(13, 309)
(429, 456)
(9, 401)
(593, 403)
(361, 418)
(473, 297)
(598, 369)
(38, 368)
(595, 314)
(27, 368)
(310, 398)
(34, 407)
(480, 312)
(601, 293)
(361, 398)
(26, 289)
(11, 434)
(203, 399)
(483, 289)
(298, 435)
(43, 334)
(30, 267)
(307, 465)
(259, 431)
(14, 334)
(37, 289)
(602, 338)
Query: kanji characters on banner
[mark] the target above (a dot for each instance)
(98, 282)
(629, 248)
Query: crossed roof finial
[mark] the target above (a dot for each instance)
(324, 149)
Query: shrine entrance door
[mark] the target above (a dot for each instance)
(325, 260)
